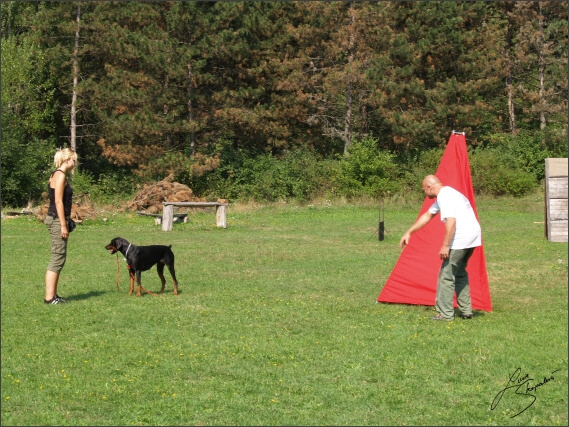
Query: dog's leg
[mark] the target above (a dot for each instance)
(138, 273)
(131, 289)
(160, 269)
(173, 273)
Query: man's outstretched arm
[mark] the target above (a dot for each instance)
(420, 223)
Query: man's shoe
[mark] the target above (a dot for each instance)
(439, 317)
(466, 316)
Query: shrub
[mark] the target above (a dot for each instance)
(296, 175)
(417, 168)
(82, 182)
(25, 165)
(528, 151)
(112, 186)
(367, 170)
(524, 151)
(497, 173)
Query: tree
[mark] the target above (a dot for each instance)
(27, 121)
(508, 46)
(336, 44)
(58, 30)
(245, 49)
(148, 89)
(541, 62)
(437, 74)
(73, 127)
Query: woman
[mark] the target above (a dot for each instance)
(60, 199)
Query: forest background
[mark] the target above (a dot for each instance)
(280, 100)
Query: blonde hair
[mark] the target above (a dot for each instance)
(62, 155)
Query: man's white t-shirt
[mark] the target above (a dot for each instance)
(453, 204)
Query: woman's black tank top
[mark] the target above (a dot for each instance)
(67, 197)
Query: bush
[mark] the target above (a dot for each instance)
(296, 175)
(418, 167)
(524, 151)
(527, 151)
(367, 170)
(82, 183)
(25, 165)
(112, 186)
(497, 173)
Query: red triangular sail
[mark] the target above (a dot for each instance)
(414, 277)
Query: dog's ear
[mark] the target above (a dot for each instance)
(117, 243)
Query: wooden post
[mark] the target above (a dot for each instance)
(220, 215)
(167, 217)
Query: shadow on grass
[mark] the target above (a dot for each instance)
(143, 293)
(476, 314)
(151, 293)
(88, 295)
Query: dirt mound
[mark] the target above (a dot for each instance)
(150, 198)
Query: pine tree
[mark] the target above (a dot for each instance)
(336, 44)
(436, 75)
(541, 56)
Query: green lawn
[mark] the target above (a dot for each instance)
(276, 323)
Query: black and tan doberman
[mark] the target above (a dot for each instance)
(142, 258)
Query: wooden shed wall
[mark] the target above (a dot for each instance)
(556, 183)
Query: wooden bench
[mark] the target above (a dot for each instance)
(180, 217)
(168, 212)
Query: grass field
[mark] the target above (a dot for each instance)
(276, 323)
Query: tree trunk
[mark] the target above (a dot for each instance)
(509, 86)
(73, 126)
(348, 119)
(349, 100)
(541, 53)
(190, 113)
(166, 108)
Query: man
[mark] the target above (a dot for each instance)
(462, 235)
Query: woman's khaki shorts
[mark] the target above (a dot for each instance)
(58, 245)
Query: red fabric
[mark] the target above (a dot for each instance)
(414, 277)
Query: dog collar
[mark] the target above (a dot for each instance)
(126, 253)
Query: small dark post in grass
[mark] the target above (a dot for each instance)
(381, 231)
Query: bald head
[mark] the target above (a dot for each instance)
(431, 179)
(431, 186)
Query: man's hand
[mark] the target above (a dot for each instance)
(443, 253)
(405, 240)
